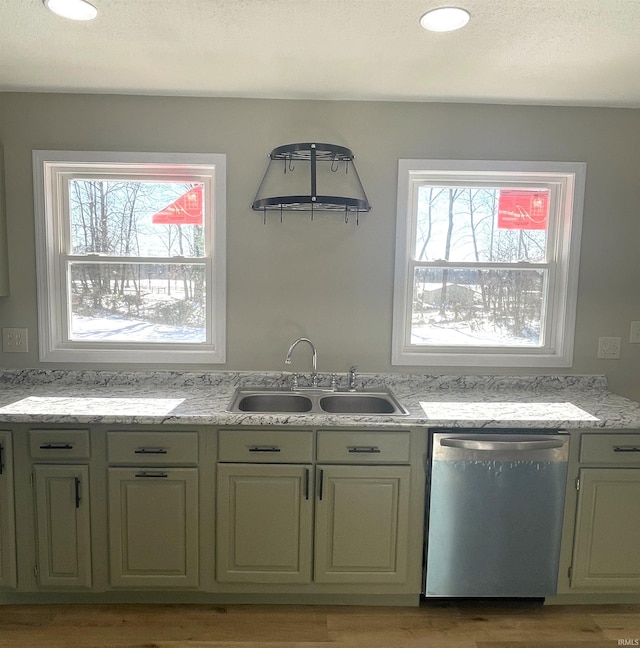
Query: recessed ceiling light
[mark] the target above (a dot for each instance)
(445, 19)
(72, 9)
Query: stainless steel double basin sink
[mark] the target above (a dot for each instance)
(381, 402)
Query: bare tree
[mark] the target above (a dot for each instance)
(454, 194)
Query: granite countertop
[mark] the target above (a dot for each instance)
(190, 398)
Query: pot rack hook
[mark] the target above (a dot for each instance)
(288, 162)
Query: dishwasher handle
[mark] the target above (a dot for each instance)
(492, 445)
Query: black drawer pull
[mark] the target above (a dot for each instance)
(147, 451)
(56, 446)
(626, 449)
(364, 449)
(264, 449)
(152, 475)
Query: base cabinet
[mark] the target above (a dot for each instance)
(342, 520)
(264, 516)
(153, 527)
(362, 517)
(606, 554)
(157, 514)
(63, 525)
(7, 514)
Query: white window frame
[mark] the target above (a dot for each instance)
(566, 181)
(51, 169)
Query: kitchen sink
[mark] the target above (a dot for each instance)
(378, 402)
(274, 402)
(355, 403)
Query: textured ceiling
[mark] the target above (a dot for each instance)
(568, 52)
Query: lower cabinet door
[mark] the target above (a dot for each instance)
(264, 517)
(153, 527)
(7, 514)
(362, 515)
(606, 553)
(63, 525)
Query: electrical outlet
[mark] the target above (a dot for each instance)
(15, 340)
(609, 347)
(634, 336)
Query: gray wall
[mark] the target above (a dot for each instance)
(324, 279)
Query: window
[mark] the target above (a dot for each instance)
(131, 256)
(487, 262)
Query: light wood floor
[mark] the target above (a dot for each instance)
(487, 625)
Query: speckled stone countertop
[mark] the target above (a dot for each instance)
(190, 398)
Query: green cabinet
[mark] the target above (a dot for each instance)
(7, 514)
(606, 555)
(153, 527)
(342, 520)
(362, 507)
(264, 517)
(362, 520)
(149, 513)
(63, 525)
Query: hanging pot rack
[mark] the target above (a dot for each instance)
(311, 166)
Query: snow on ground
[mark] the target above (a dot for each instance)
(117, 329)
(461, 334)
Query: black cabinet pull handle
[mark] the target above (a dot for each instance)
(306, 483)
(56, 446)
(1, 459)
(321, 485)
(77, 487)
(264, 448)
(152, 475)
(155, 451)
(364, 449)
(626, 449)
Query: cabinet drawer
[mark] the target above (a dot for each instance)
(364, 447)
(141, 448)
(610, 448)
(265, 446)
(59, 444)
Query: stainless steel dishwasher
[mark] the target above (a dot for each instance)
(495, 506)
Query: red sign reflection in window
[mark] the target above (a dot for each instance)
(186, 210)
(523, 209)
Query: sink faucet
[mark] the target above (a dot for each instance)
(287, 360)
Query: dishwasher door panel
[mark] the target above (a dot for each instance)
(495, 515)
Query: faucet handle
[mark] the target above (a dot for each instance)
(334, 381)
(351, 378)
(294, 382)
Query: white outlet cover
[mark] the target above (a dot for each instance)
(15, 340)
(609, 348)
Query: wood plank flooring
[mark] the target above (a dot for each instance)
(438, 625)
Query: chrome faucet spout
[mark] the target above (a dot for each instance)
(314, 358)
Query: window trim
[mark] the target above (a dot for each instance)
(566, 232)
(50, 166)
